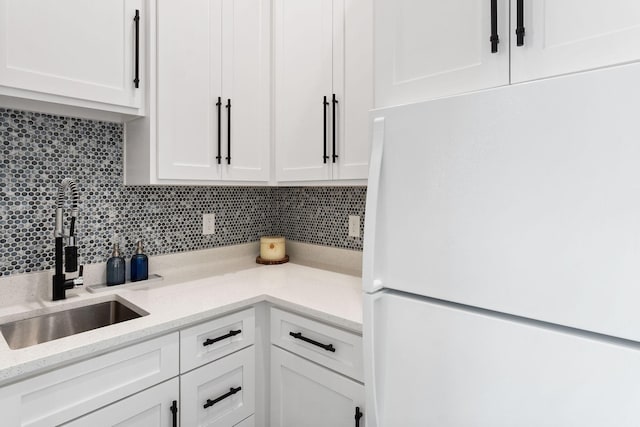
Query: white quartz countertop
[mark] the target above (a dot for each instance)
(179, 301)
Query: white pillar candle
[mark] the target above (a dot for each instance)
(272, 248)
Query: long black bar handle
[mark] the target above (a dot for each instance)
(136, 20)
(494, 39)
(298, 335)
(219, 106)
(358, 416)
(174, 413)
(228, 131)
(231, 392)
(324, 129)
(520, 23)
(223, 337)
(335, 102)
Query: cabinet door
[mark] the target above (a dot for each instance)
(306, 394)
(303, 62)
(74, 48)
(427, 49)
(189, 38)
(152, 407)
(353, 84)
(246, 86)
(565, 36)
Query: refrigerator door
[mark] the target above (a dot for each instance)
(522, 199)
(437, 364)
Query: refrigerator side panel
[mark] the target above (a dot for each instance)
(523, 199)
(441, 365)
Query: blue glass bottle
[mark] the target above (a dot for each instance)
(116, 267)
(139, 264)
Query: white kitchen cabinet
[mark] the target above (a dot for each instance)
(81, 53)
(430, 48)
(306, 394)
(427, 49)
(565, 36)
(64, 394)
(209, 118)
(324, 84)
(157, 406)
(221, 393)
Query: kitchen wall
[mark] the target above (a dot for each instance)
(39, 150)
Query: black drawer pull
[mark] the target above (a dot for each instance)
(228, 106)
(210, 341)
(520, 23)
(358, 416)
(324, 127)
(494, 39)
(174, 413)
(231, 392)
(298, 335)
(136, 79)
(334, 102)
(219, 107)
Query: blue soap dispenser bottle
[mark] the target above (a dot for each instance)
(139, 264)
(116, 267)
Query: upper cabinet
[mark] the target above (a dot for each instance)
(209, 118)
(433, 48)
(427, 48)
(565, 36)
(323, 89)
(87, 54)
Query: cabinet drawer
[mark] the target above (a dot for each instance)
(332, 347)
(66, 393)
(212, 340)
(221, 393)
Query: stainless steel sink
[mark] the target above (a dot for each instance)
(51, 326)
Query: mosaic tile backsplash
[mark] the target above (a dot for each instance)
(39, 150)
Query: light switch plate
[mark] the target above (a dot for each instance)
(209, 223)
(354, 225)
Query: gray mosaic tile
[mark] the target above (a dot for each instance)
(320, 215)
(38, 150)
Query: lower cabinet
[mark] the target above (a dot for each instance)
(156, 406)
(205, 375)
(306, 394)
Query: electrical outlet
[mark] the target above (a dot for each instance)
(354, 225)
(209, 224)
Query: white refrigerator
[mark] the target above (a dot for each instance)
(502, 257)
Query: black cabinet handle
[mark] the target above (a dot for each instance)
(231, 392)
(335, 102)
(136, 20)
(324, 129)
(174, 413)
(219, 107)
(298, 335)
(358, 416)
(494, 27)
(520, 23)
(228, 131)
(223, 337)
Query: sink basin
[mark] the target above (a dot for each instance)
(51, 326)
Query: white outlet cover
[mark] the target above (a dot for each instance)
(354, 225)
(209, 223)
